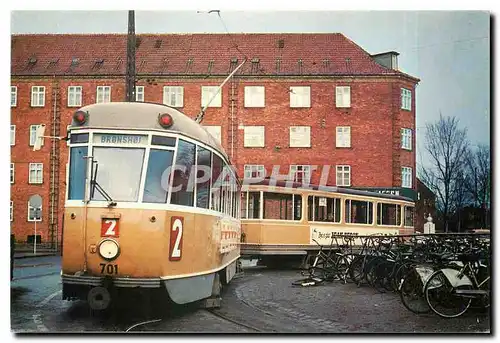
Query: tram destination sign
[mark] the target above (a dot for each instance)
(120, 139)
(404, 192)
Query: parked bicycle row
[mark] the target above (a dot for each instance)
(444, 273)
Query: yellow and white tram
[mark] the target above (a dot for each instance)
(281, 219)
(151, 203)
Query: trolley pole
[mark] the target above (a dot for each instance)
(130, 76)
(34, 244)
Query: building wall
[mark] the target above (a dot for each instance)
(375, 117)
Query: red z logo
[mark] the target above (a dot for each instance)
(176, 227)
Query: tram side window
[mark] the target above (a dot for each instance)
(358, 212)
(215, 183)
(388, 214)
(323, 209)
(244, 205)
(278, 206)
(183, 181)
(409, 216)
(297, 207)
(253, 205)
(203, 175)
(77, 171)
(157, 176)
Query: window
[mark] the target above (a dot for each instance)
(406, 99)
(36, 173)
(139, 93)
(207, 92)
(406, 139)
(254, 137)
(343, 175)
(281, 206)
(74, 96)
(254, 171)
(34, 213)
(358, 212)
(33, 129)
(300, 136)
(300, 173)
(182, 186)
(11, 210)
(103, 94)
(215, 183)
(343, 96)
(388, 214)
(12, 173)
(343, 137)
(252, 199)
(173, 96)
(203, 174)
(300, 96)
(254, 96)
(409, 216)
(406, 177)
(13, 135)
(157, 177)
(77, 173)
(13, 96)
(37, 96)
(322, 209)
(216, 132)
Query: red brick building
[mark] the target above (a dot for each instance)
(299, 100)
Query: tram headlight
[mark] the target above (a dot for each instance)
(109, 249)
(80, 117)
(165, 120)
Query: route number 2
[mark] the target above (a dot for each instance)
(175, 253)
(110, 228)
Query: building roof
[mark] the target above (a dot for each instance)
(193, 54)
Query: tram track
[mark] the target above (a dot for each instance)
(226, 318)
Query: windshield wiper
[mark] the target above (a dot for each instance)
(94, 184)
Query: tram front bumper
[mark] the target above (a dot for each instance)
(122, 282)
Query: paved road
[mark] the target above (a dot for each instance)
(260, 300)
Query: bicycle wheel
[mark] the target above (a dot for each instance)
(356, 271)
(400, 273)
(440, 293)
(411, 293)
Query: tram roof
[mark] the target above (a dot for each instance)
(144, 116)
(330, 189)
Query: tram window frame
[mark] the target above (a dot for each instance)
(380, 214)
(412, 209)
(185, 195)
(253, 198)
(215, 189)
(348, 213)
(203, 188)
(165, 188)
(76, 185)
(334, 202)
(286, 209)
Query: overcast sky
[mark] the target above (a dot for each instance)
(448, 51)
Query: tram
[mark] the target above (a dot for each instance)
(151, 203)
(285, 221)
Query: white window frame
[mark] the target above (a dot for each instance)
(37, 93)
(38, 168)
(206, 94)
(254, 130)
(300, 132)
(344, 169)
(405, 99)
(343, 137)
(12, 173)
(11, 210)
(13, 92)
(33, 129)
(68, 134)
(406, 177)
(76, 92)
(303, 169)
(255, 96)
(41, 214)
(406, 139)
(343, 96)
(300, 96)
(258, 169)
(215, 131)
(12, 135)
(139, 93)
(178, 92)
(101, 92)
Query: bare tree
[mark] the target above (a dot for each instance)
(479, 178)
(446, 145)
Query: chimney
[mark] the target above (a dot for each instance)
(387, 59)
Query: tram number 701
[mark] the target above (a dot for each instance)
(108, 268)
